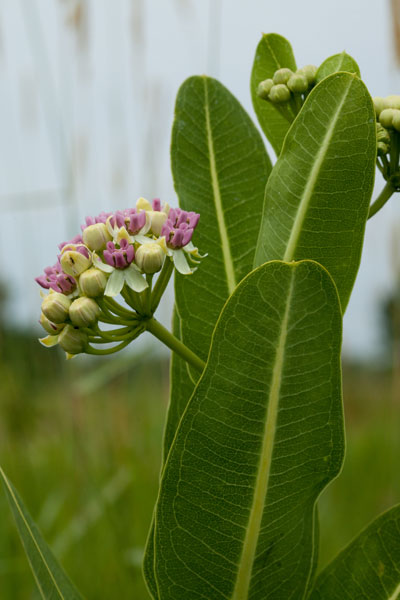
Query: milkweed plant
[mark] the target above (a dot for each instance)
(264, 260)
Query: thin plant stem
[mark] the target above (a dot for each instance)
(394, 152)
(105, 311)
(133, 299)
(381, 200)
(161, 284)
(378, 164)
(117, 308)
(146, 298)
(386, 165)
(101, 351)
(165, 336)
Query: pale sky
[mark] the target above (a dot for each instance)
(96, 101)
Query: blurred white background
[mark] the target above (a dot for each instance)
(87, 91)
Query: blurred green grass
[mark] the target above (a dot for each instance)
(81, 441)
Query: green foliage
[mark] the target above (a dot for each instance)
(273, 52)
(264, 426)
(50, 577)
(251, 444)
(220, 166)
(318, 194)
(369, 567)
(335, 63)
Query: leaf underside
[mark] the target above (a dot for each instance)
(369, 568)
(261, 437)
(318, 195)
(220, 168)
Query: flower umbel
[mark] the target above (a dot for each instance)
(117, 253)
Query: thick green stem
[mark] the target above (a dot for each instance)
(165, 336)
(161, 283)
(381, 200)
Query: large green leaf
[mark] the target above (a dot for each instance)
(220, 168)
(335, 63)
(51, 580)
(317, 197)
(273, 52)
(369, 568)
(260, 438)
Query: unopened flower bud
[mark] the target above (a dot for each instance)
(309, 71)
(392, 101)
(396, 120)
(264, 88)
(297, 83)
(282, 76)
(55, 307)
(383, 148)
(74, 260)
(93, 282)
(150, 257)
(382, 134)
(386, 118)
(84, 312)
(279, 93)
(379, 104)
(96, 236)
(157, 220)
(51, 328)
(72, 340)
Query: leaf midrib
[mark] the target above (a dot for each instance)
(15, 500)
(395, 594)
(309, 188)
(226, 250)
(243, 579)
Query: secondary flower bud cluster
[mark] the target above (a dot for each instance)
(286, 84)
(116, 253)
(387, 112)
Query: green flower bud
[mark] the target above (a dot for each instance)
(396, 120)
(298, 83)
(84, 312)
(392, 101)
(309, 72)
(93, 282)
(73, 262)
(72, 340)
(282, 76)
(382, 134)
(382, 148)
(379, 104)
(55, 307)
(264, 88)
(150, 257)
(386, 118)
(279, 93)
(51, 328)
(96, 236)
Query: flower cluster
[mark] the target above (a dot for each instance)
(116, 253)
(387, 112)
(288, 87)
